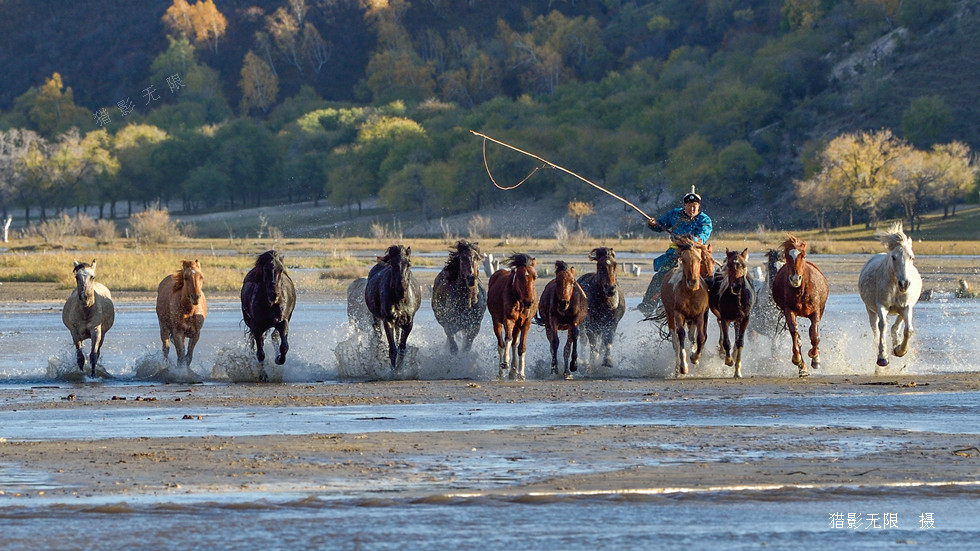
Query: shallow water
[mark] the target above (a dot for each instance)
(37, 358)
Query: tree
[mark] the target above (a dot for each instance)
(917, 174)
(926, 120)
(200, 22)
(957, 174)
(259, 84)
(579, 210)
(51, 109)
(134, 145)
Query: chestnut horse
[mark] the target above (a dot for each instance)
(801, 289)
(88, 313)
(890, 284)
(268, 299)
(563, 308)
(181, 309)
(512, 303)
(685, 298)
(731, 299)
(606, 303)
(459, 301)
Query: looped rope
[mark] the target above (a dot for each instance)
(498, 186)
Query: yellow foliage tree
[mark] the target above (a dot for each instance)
(200, 22)
(259, 84)
(579, 210)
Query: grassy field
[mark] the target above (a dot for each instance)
(329, 263)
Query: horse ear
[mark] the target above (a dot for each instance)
(745, 254)
(379, 258)
(592, 254)
(408, 251)
(93, 263)
(534, 262)
(76, 263)
(572, 271)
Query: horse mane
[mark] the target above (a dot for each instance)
(517, 260)
(178, 279)
(793, 242)
(461, 247)
(685, 242)
(268, 257)
(560, 266)
(892, 236)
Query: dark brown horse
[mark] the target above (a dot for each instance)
(800, 289)
(685, 298)
(606, 303)
(181, 310)
(268, 299)
(459, 301)
(563, 307)
(731, 299)
(512, 302)
(393, 296)
(767, 318)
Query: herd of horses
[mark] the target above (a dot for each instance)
(386, 301)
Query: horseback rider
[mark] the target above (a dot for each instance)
(684, 220)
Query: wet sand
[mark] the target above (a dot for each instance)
(615, 458)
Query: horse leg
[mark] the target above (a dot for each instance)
(191, 343)
(79, 355)
(740, 326)
(906, 316)
(552, 335)
(795, 335)
(503, 346)
(814, 352)
(165, 338)
(403, 343)
(283, 329)
(722, 333)
(700, 334)
(572, 343)
(392, 345)
(608, 334)
(469, 334)
(93, 358)
(178, 340)
(680, 348)
(877, 318)
(726, 341)
(520, 346)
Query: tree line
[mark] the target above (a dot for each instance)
(647, 98)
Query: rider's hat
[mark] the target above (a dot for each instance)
(692, 197)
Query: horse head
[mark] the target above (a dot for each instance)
(605, 269)
(565, 281)
(523, 275)
(464, 266)
(794, 250)
(399, 258)
(774, 260)
(85, 282)
(271, 267)
(691, 257)
(190, 275)
(735, 269)
(900, 255)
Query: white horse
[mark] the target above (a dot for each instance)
(88, 313)
(890, 284)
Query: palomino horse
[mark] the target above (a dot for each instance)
(88, 313)
(268, 299)
(512, 302)
(563, 307)
(181, 309)
(606, 303)
(685, 298)
(731, 298)
(890, 284)
(800, 289)
(459, 301)
(393, 295)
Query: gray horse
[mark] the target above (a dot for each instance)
(88, 313)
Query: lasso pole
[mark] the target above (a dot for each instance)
(547, 163)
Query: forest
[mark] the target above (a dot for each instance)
(810, 113)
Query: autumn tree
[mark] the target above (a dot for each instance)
(957, 174)
(579, 210)
(259, 84)
(200, 22)
(51, 109)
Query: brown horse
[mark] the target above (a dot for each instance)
(731, 299)
(800, 289)
(181, 309)
(685, 298)
(512, 303)
(606, 303)
(563, 308)
(88, 313)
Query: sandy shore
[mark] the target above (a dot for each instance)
(618, 458)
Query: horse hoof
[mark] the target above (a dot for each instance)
(573, 367)
(280, 360)
(729, 361)
(569, 377)
(882, 362)
(738, 375)
(804, 373)
(607, 363)
(898, 352)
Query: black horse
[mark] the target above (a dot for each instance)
(606, 303)
(767, 319)
(268, 299)
(731, 299)
(459, 301)
(393, 296)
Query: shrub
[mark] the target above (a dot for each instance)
(55, 231)
(153, 226)
(478, 226)
(104, 232)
